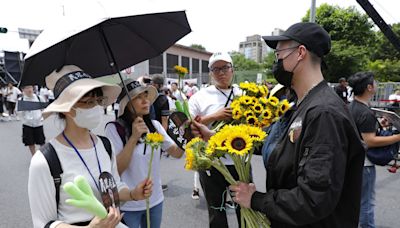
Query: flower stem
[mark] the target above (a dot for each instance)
(148, 176)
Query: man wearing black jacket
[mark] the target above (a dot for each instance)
(314, 172)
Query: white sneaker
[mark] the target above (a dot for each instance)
(195, 194)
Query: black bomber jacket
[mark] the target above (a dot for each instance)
(314, 173)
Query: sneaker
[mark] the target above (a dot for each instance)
(230, 204)
(195, 194)
(164, 187)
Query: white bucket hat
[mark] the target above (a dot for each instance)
(70, 84)
(134, 89)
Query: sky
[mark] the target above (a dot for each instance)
(218, 25)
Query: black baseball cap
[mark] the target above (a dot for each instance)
(313, 36)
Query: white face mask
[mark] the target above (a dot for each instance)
(88, 118)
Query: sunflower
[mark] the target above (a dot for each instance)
(263, 90)
(154, 139)
(244, 85)
(246, 100)
(267, 114)
(253, 89)
(193, 142)
(273, 101)
(216, 142)
(265, 123)
(235, 104)
(181, 71)
(284, 106)
(256, 133)
(252, 120)
(239, 143)
(236, 113)
(263, 100)
(248, 113)
(257, 108)
(190, 159)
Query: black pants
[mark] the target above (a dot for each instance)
(214, 187)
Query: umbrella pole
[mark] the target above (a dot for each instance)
(114, 64)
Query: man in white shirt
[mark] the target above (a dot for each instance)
(12, 94)
(208, 106)
(176, 93)
(32, 126)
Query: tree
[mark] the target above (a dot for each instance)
(383, 49)
(198, 46)
(352, 39)
(241, 63)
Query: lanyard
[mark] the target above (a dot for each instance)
(228, 97)
(83, 161)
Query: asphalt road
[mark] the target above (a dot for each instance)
(179, 209)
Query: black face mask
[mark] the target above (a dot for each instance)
(281, 75)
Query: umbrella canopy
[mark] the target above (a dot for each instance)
(103, 46)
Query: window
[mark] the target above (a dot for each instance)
(156, 65)
(195, 66)
(172, 60)
(204, 66)
(185, 62)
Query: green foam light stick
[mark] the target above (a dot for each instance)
(83, 197)
(178, 106)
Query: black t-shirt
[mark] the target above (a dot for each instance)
(364, 117)
(342, 92)
(161, 107)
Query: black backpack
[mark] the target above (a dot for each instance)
(55, 166)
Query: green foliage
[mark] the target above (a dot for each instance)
(241, 63)
(383, 49)
(198, 46)
(385, 70)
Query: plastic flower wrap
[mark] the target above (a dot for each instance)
(154, 140)
(237, 142)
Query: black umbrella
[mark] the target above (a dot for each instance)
(104, 46)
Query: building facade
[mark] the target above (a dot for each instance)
(195, 60)
(253, 48)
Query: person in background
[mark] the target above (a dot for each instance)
(364, 88)
(176, 93)
(208, 106)
(12, 94)
(161, 105)
(133, 154)
(1, 102)
(394, 100)
(341, 90)
(32, 126)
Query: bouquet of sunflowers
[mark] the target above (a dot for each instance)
(250, 112)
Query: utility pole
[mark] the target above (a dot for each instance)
(312, 11)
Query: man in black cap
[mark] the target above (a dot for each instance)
(314, 172)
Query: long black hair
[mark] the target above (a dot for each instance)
(127, 118)
(360, 81)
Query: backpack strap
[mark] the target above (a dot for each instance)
(107, 145)
(55, 167)
(120, 130)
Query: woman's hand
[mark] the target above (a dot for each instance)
(113, 218)
(143, 190)
(139, 128)
(201, 130)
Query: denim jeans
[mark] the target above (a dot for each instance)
(136, 219)
(368, 198)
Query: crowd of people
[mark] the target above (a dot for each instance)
(318, 174)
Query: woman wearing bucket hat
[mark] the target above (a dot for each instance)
(133, 155)
(78, 102)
